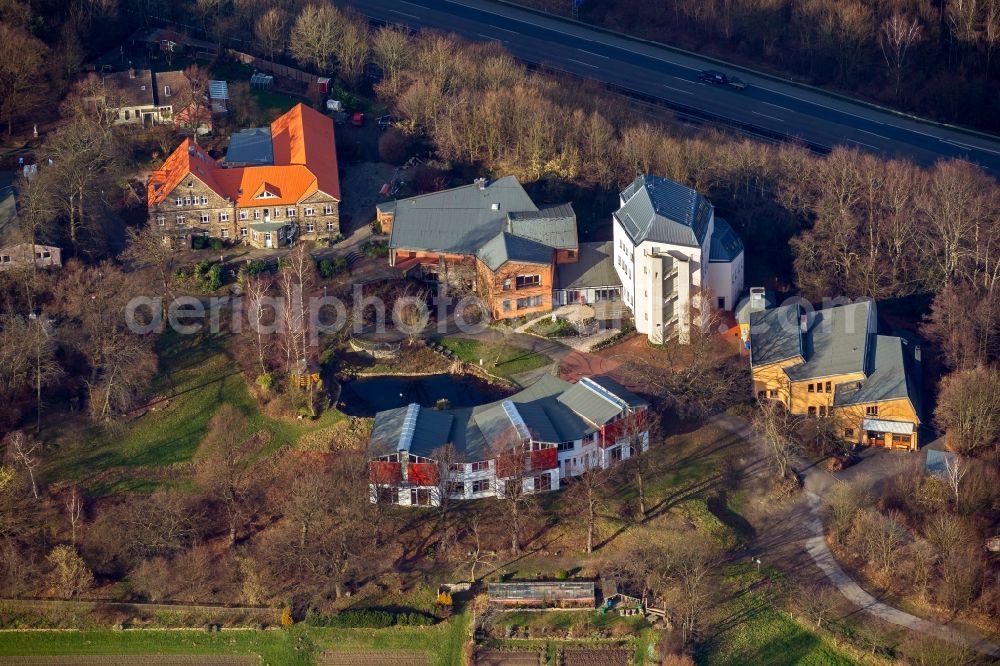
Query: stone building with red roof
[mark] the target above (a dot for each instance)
(276, 184)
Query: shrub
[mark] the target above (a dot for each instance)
(330, 267)
(286, 617)
(208, 275)
(216, 243)
(199, 242)
(394, 146)
(377, 249)
(562, 574)
(369, 618)
(444, 599)
(265, 381)
(252, 268)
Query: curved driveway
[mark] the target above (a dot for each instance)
(768, 106)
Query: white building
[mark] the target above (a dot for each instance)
(674, 257)
(417, 453)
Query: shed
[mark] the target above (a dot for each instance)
(559, 594)
(261, 81)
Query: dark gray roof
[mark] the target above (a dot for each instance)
(251, 146)
(888, 380)
(554, 226)
(459, 220)
(132, 89)
(725, 244)
(774, 335)
(594, 267)
(540, 408)
(837, 340)
(658, 209)
(599, 399)
(506, 247)
(268, 226)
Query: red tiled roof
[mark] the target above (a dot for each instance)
(305, 160)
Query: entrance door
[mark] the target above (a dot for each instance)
(267, 239)
(876, 438)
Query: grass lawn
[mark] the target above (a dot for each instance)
(560, 328)
(196, 377)
(499, 359)
(749, 628)
(298, 645)
(273, 104)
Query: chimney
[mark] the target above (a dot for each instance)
(131, 72)
(803, 322)
(481, 183)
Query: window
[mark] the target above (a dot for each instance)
(310, 228)
(179, 201)
(481, 486)
(277, 212)
(5, 259)
(330, 226)
(256, 214)
(811, 387)
(526, 281)
(223, 217)
(387, 496)
(567, 446)
(529, 302)
(187, 201)
(166, 91)
(849, 432)
(290, 212)
(722, 303)
(224, 233)
(822, 410)
(420, 496)
(773, 393)
(901, 439)
(328, 209)
(204, 200)
(871, 410)
(570, 253)
(456, 488)
(482, 466)
(160, 220)
(128, 114)
(543, 482)
(829, 387)
(309, 212)
(812, 410)
(180, 220)
(243, 215)
(243, 231)
(506, 306)
(204, 218)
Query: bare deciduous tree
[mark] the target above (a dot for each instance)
(897, 34)
(70, 575)
(25, 451)
(226, 470)
(314, 36)
(776, 428)
(270, 30)
(22, 58)
(968, 408)
(512, 454)
(586, 497)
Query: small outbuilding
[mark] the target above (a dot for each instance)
(544, 594)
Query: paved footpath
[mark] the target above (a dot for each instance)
(809, 531)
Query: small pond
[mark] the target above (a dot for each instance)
(366, 395)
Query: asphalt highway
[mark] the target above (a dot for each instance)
(767, 107)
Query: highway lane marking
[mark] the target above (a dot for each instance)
(580, 62)
(874, 134)
(862, 143)
(783, 108)
(412, 4)
(492, 39)
(593, 54)
(968, 147)
(758, 113)
(496, 27)
(686, 92)
(396, 11)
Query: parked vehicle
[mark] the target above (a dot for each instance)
(358, 119)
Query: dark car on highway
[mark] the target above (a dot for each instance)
(718, 78)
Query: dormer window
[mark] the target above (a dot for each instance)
(496, 206)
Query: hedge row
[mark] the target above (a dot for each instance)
(369, 618)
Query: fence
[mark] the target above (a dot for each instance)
(271, 67)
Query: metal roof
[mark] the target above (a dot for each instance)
(554, 226)
(218, 90)
(506, 247)
(725, 244)
(594, 267)
(460, 220)
(251, 146)
(659, 209)
(887, 381)
(537, 411)
(774, 335)
(599, 399)
(884, 425)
